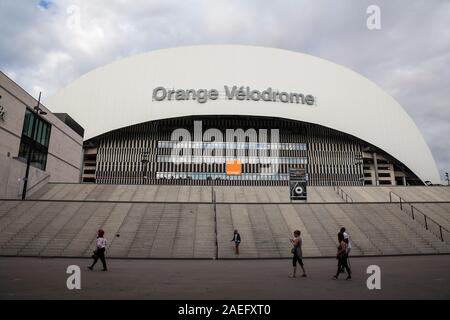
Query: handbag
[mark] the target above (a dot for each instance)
(293, 250)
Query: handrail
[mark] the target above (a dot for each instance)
(425, 217)
(339, 190)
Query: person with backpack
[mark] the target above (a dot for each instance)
(99, 252)
(297, 254)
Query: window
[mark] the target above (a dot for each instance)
(384, 175)
(39, 142)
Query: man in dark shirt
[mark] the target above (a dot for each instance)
(237, 240)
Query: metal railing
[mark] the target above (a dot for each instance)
(417, 215)
(344, 195)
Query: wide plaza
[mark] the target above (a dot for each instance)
(402, 277)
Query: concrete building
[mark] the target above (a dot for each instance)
(186, 115)
(58, 140)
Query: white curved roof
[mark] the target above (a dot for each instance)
(120, 94)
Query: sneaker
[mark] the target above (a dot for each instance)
(104, 269)
(334, 278)
(304, 275)
(90, 268)
(348, 278)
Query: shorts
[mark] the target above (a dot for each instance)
(295, 259)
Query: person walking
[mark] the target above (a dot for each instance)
(99, 252)
(341, 256)
(297, 254)
(340, 237)
(237, 240)
(348, 241)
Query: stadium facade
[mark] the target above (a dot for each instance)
(185, 115)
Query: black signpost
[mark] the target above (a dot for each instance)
(297, 184)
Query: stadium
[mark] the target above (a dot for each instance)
(178, 116)
(182, 146)
(218, 153)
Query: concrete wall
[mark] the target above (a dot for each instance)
(11, 170)
(64, 158)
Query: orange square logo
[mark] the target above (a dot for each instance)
(233, 168)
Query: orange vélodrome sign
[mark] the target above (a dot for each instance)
(233, 168)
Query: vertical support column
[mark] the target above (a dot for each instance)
(215, 222)
(375, 164)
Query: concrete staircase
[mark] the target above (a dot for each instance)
(410, 194)
(439, 212)
(188, 230)
(133, 193)
(158, 221)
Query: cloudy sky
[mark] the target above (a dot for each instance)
(47, 44)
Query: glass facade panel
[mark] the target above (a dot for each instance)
(231, 145)
(39, 142)
(220, 176)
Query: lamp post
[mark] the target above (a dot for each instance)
(35, 116)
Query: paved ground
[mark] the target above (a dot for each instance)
(417, 277)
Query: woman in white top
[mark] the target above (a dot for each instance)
(99, 252)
